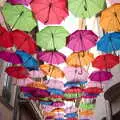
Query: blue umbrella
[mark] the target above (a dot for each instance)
(55, 91)
(27, 60)
(71, 115)
(46, 103)
(109, 42)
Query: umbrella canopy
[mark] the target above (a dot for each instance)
(51, 57)
(71, 115)
(58, 104)
(5, 38)
(46, 103)
(75, 74)
(59, 115)
(23, 41)
(72, 96)
(114, 1)
(36, 74)
(55, 91)
(105, 61)
(100, 76)
(50, 12)
(47, 108)
(72, 119)
(52, 71)
(110, 20)
(109, 42)
(18, 19)
(52, 37)
(55, 84)
(87, 113)
(81, 40)
(71, 109)
(87, 106)
(10, 57)
(85, 8)
(74, 90)
(15, 2)
(27, 60)
(79, 59)
(58, 110)
(17, 72)
(49, 114)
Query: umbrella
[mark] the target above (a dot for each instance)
(59, 115)
(75, 74)
(17, 72)
(71, 109)
(23, 41)
(55, 91)
(85, 8)
(93, 90)
(5, 38)
(52, 71)
(37, 84)
(47, 108)
(74, 90)
(100, 76)
(114, 1)
(106, 61)
(87, 113)
(56, 96)
(49, 117)
(59, 119)
(58, 104)
(79, 59)
(58, 110)
(72, 119)
(49, 114)
(87, 106)
(10, 57)
(27, 60)
(72, 96)
(19, 17)
(109, 42)
(110, 20)
(50, 12)
(81, 40)
(27, 89)
(24, 2)
(36, 74)
(51, 57)
(90, 96)
(71, 115)
(55, 84)
(52, 37)
(46, 103)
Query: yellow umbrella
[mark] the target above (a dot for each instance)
(52, 71)
(79, 59)
(110, 18)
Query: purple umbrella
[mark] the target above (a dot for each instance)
(51, 57)
(75, 74)
(100, 76)
(81, 40)
(10, 57)
(23, 2)
(28, 89)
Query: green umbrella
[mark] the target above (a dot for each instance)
(52, 37)
(86, 8)
(87, 106)
(19, 17)
(72, 95)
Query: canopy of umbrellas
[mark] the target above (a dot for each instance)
(72, 84)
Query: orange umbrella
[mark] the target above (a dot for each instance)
(86, 113)
(52, 71)
(37, 84)
(79, 59)
(58, 110)
(110, 18)
(49, 113)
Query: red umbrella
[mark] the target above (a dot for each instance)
(105, 61)
(73, 90)
(5, 38)
(23, 41)
(50, 11)
(56, 96)
(17, 72)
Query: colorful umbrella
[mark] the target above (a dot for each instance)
(18, 19)
(58, 104)
(72, 96)
(59, 115)
(50, 12)
(10, 57)
(17, 72)
(75, 74)
(23, 41)
(52, 71)
(105, 61)
(71, 109)
(55, 91)
(47, 108)
(27, 89)
(72, 119)
(87, 106)
(36, 74)
(5, 38)
(71, 115)
(49, 114)
(81, 40)
(48, 37)
(110, 20)
(24, 2)
(58, 110)
(114, 1)
(27, 60)
(51, 57)
(46, 102)
(55, 84)
(85, 8)
(109, 42)
(86, 113)
(90, 96)
(74, 90)
(79, 59)
(100, 76)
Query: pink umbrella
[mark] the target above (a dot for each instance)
(75, 74)
(10, 57)
(59, 115)
(81, 40)
(114, 1)
(71, 109)
(55, 84)
(36, 74)
(51, 57)
(47, 108)
(58, 104)
(24, 2)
